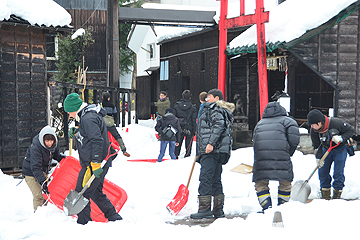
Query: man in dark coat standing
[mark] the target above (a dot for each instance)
(186, 112)
(275, 138)
(93, 143)
(322, 131)
(213, 149)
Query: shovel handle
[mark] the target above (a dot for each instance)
(191, 172)
(323, 159)
(70, 146)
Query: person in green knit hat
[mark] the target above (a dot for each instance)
(93, 143)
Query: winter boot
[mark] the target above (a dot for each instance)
(204, 208)
(325, 193)
(337, 194)
(115, 217)
(283, 197)
(218, 206)
(264, 199)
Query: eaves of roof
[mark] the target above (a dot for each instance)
(308, 35)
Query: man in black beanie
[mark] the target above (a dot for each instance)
(324, 130)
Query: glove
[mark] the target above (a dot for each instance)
(320, 163)
(126, 154)
(337, 139)
(44, 188)
(72, 131)
(62, 156)
(87, 176)
(152, 104)
(96, 168)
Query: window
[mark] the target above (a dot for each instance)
(51, 46)
(164, 70)
(151, 50)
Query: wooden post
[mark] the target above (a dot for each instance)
(112, 45)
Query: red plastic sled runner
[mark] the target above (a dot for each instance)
(64, 178)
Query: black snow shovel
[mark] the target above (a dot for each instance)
(301, 189)
(75, 202)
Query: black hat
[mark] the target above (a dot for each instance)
(163, 92)
(170, 110)
(314, 117)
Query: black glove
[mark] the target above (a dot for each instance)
(62, 156)
(152, 104)
(44, 188)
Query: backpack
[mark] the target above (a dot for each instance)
(169, 132)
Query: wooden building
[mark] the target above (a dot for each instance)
(323, 70)
(23, 87)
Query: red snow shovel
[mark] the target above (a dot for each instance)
(75, 202)
(301, 190)
(181, 197)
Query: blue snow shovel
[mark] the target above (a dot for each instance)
(75, 202)
(301, 190)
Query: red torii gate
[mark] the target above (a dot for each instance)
(259, 18)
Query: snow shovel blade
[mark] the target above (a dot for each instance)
(300, 191)
(243, 168)
(179, 201)
(73, 203)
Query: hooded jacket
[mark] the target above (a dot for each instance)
(166, 120)
(186, 112)
(215, 127)
(92, 137)
(38, 156)
(275, 138)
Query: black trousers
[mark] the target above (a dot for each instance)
(95, 193)
(210, 174)
(188, 144)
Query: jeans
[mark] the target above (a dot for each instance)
(163, 145)
(338, 157)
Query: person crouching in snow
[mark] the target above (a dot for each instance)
(169, 130)
(37, 163)
(110, 121)
(93, 143)
(275, 139)
(213, 149)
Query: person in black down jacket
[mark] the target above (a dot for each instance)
(93, 144)
(168, 119)
(323, 131)
(275, 138)
(186, 112)
(37, 161)
(213, 149)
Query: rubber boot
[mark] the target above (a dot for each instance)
(337, 194)
(325, 193)
(204, 208)
(283, 197)
(115, 217)
(218, 208)
(264, 199)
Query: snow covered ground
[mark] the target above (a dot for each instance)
(151, 186)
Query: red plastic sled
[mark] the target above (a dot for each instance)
(64, 178)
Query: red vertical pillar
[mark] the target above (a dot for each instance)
(261, 52)
(222, 45)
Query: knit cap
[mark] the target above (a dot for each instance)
(314, 117)
(72, 102)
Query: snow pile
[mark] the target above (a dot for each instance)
(292, 19)
(151, 186)
(41, 12)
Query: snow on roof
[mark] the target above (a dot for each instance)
(291, 19)
(41, 12)
(167, 32)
